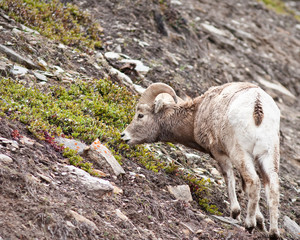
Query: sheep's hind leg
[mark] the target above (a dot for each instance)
(227, 171)
(272, 192)
(260, 221)
(245, 165)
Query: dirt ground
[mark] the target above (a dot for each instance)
(36, 195)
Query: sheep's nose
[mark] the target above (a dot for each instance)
(122, 134)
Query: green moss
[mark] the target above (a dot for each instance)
(199, 186)
(279, 7)
(98, 109)
(86, 111)
(65, 23)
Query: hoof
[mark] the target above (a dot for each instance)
(235, 213)
(249, 229)
(274, 235)
(260, 225)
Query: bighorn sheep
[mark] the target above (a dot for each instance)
(237, 123)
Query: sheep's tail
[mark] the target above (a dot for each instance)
(258, 113)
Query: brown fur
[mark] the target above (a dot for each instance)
(203, 124)
(258, 113)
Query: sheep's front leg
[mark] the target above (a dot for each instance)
(227, 171)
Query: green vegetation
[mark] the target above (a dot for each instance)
(199, 186)
(84, 110)
(279, 7)
(98, 109)
(65, 23)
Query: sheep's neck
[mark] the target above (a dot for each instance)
(177, 126)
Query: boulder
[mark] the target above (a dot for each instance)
(72, 144)
(181, 192)
(81, 219)
(292, 227)
(93, 185)
(5, 159)
(104, 158)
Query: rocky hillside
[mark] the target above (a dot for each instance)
(70, 75)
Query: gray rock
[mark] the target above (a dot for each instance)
(29, 30)
(27, 141)
(292, 227)
(228, 220)
(18, 70)
(72, 144)
(103, 157)
(213, 29)
(121, 215)
(275, 86)
(5, 159)
(81, 219)
(93, 185)
(122, 76)
(112, 55)
(139, 66)
(12, 55)
(139, 88)
(4, 69)
(40, 76)
(181, 192)
(176, 2)
(8, 142)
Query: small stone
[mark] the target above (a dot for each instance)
(43, 63)
(181, 192)
(16, 31)
(139, 66)
(118, 48)
(61, 46)
(117, 190)
(213, 29)
(100, 173)
(29, 30)
(4, 68)
(139, 88)
(69, 224)
(215, 172)
(112, 55)
(192, 156)
(18, 70)
(121, 215)
(45, 178)
(27, 141)
(58, 70)
(176, 2)
(228, 220)
(5, 159)
(208, 220)
(81, 219)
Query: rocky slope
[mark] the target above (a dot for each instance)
(190, 45)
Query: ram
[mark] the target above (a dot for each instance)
(236, 123)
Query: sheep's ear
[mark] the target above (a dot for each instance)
(158, 105)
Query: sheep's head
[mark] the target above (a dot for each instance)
(144, 127)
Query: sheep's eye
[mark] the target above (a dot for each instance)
(140, 115)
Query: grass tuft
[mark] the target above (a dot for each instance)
(65, 23)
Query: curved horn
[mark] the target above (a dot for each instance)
(153, 90)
